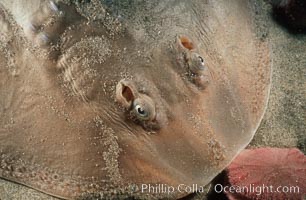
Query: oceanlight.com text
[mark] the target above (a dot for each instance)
(257, 189)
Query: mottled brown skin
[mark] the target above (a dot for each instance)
(86, 110)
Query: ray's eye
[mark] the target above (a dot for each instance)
(144, 109)
(196, 63)
(201, 60)
(139, 106)
(141, 111)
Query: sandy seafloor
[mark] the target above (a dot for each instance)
(284, 122)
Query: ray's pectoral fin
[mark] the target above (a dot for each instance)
(194, 63)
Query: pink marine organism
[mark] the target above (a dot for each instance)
(267, 174)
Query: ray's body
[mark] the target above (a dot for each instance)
(95, 104)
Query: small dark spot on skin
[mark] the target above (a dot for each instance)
(21, 169)
(55, 176)
(33, 174)
(41, 178)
